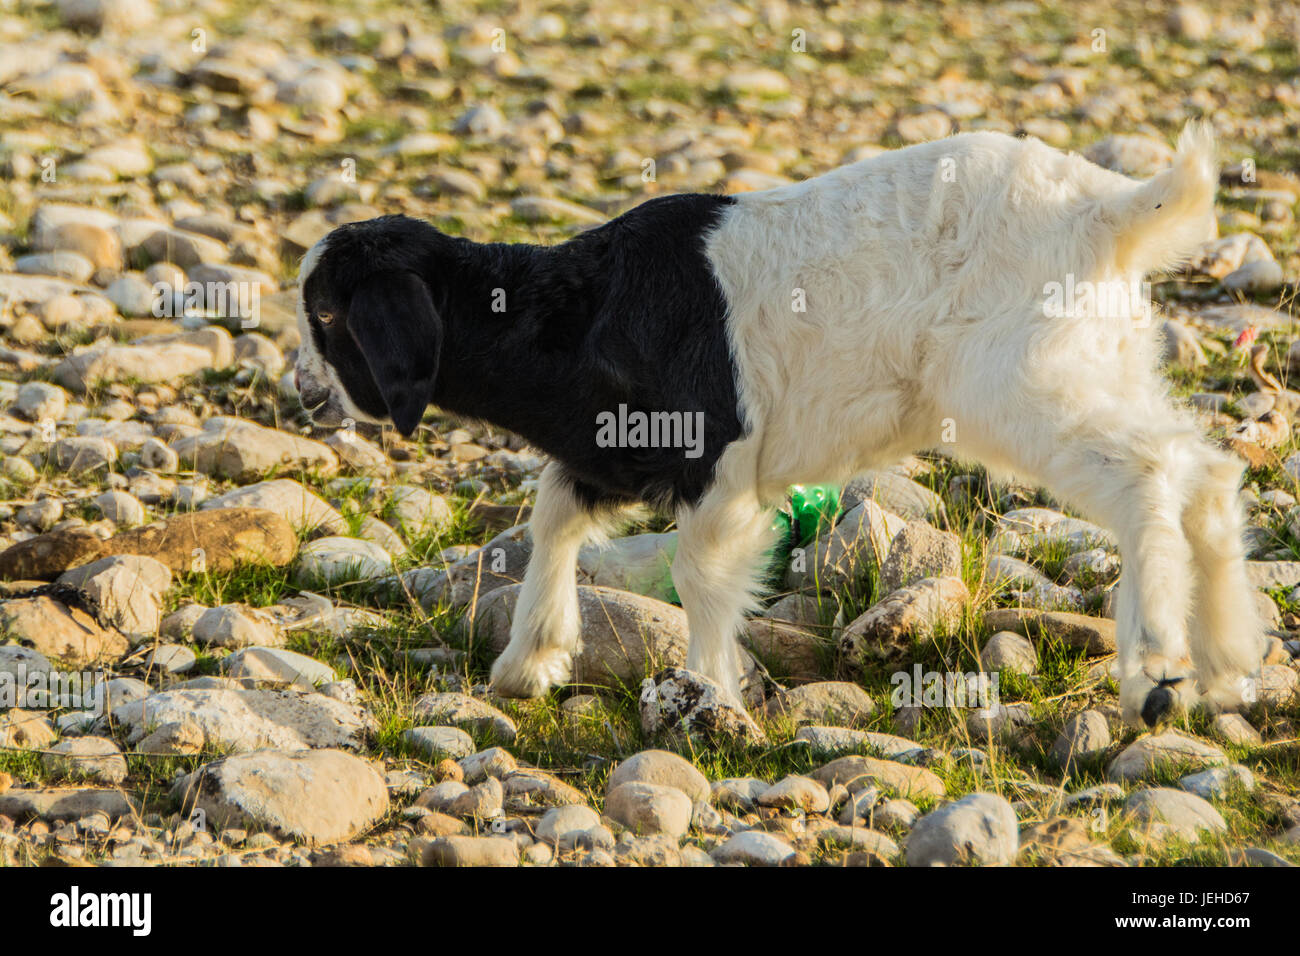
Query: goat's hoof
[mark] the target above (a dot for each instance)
(1159, 705)
(530, 676)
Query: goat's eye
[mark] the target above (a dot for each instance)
(325, 318)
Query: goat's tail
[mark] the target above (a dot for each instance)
(1160, 222)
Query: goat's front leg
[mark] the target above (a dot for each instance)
(545, 631)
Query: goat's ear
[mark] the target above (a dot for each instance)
(395, 325)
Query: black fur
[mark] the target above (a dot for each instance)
(628, 313)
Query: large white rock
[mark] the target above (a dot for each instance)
(320, 796)
(241, 720)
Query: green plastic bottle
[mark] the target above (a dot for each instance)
(814, 509)
(809, 511)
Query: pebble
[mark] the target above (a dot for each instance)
(980, 829)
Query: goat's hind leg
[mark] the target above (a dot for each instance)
(545, 631)
(1132, 478)
(1226, 631)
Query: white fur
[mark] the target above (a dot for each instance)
(925, 272)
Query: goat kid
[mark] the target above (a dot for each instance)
(815, 331)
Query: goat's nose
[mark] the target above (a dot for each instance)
(297, 380)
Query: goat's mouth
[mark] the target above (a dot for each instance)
(318, 402)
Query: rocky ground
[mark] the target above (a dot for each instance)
(293, 628)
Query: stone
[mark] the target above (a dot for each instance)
(842, 557)
(786, 649)
(1170, 749)
(66, 265)
(439, 741)
(24, 730)
(493, 762)
(185, 249)
(758, 82)
(640, 563)
(565, 827)
(1085, 735)
(17, 663)
(179, 625)
(336, 560)
(978, 829)
(1235, 729)
(835, 741)
(105, 364)
(499, 563)
(241, 450)
(923, 127)
(40, 402)
(302, 508)
(917, 552)
(1181, 346)
(86, 758)
(1009, 651)
(41, 515)
(82, 453)
(1189, 22)
(462, 710)
(526, 790)
(647, 808)
(912, 612)
(839, 703)
(739, 794)
(662, 768)
(418, 512)
(859, 772)
(275, 666)
(68, 634)
(896, 814)
(1163, 812)
(48, 555)
(1093, 635)
(863, 840)
(244, 720)
(625, 637)
(550, 209)
(471, 851)
(1278, 685)
(796, 792)
(1218, 783)
(678, 702)
(1138, 156)
(754, 848)
(65, 803)
(318, 796)
(126, 591)
(234, 626)
(120, 507)
(898, 494)
(357, 454)
(482, 801)
(213, 541)
(178, 738)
